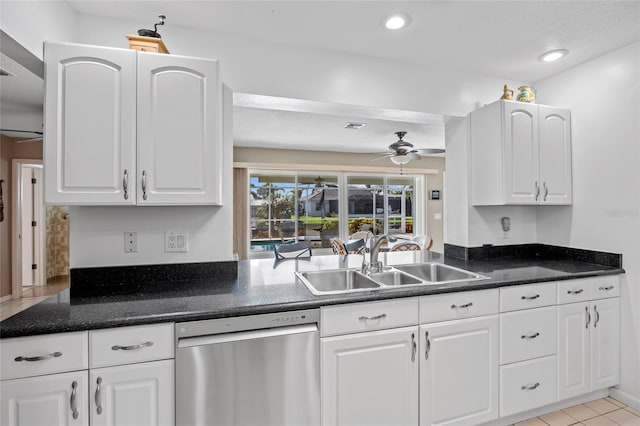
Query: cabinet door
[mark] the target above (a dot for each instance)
(90, 125)
(179, 130)
(45, 400)
(605, 343)
(370, 378)
(574, 326)
(136, 394)
(459, 372)
(520, 150)
(555, 154)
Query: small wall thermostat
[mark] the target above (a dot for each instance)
(435, 195)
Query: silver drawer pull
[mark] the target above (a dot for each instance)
(466, 305)
(38, 358)
(595, 310)
(381, 316)
(607, 288)
(535, 296)
(131, 347)
(575, 291)
(530, 387)
(73, 401)
(125, 184)
(414, 347)
(530, 336)
(144, 184)
(98, 396)
(586, 309)
(428, 349)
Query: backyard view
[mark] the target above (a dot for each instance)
(297, 207)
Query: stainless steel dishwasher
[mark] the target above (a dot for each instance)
(253, 370)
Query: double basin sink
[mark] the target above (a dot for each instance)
(337, 281)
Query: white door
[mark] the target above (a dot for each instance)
(555, 154)
(90, 124)
(520, 147)
(605, 343)
(370, 378)
(459, 372)
(133, 395)
(179, 130)
(574, 325)
(53, 400)
(27, 234)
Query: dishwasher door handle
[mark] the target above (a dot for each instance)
(213, 339)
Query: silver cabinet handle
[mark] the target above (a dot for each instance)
(586, 309)
(530, 387)
(131, 347)
(537, 190)
(466, 305)
(38, 358)
(535, 296)
(414, 347)
(428, 349)
(125, 184)
(530, 336)
(607, 288)
(575, 291)
(144, 184)
(98, 397)
(381, 316)
(595, 310)
(73, 402)
(546, 191)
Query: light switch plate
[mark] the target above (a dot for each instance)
(176, 241)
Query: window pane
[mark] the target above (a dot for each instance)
(272, 210)
(318, 208)
(400, 205)
(366, 203)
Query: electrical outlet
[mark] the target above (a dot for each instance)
(130, 242)
(176, 241)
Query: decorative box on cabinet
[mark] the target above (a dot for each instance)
(520, 154)
(125, 127)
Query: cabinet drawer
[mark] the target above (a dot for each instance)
(127, 345)
(527, 296)
(607, 286)
(451, 306)
(359, 317)
(574, 291)
(527, 385)
(38, 355)
(527, 334)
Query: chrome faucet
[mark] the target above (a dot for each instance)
(374, 265)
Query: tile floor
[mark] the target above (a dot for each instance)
(601, 412)
(31, 296)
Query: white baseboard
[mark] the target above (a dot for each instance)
(5, 298)
(516, 418)
(625, 398)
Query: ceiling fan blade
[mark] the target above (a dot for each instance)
(428, 151)
(383, 157)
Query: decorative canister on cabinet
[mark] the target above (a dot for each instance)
(526, 94)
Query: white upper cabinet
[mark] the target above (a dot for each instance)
(520, 154)
(127, 127)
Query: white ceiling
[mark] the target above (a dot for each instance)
(21, 96)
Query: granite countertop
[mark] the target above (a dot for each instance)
(263, 286)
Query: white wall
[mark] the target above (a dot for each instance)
(604, 98)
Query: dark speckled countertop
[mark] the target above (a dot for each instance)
(263, 287)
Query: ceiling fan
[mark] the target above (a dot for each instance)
(401, 151)
(37, 138)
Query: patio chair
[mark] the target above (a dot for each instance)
(425, 241)
(292, 251)
(362, 234)
(408, 246)
(338, 247)
(356, 247)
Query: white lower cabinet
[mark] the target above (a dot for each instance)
(370, 378)
(459, 372)
(52, 400)
(136, 394)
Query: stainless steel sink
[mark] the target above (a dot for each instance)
(336, 281)
(439, 273)
(394, 278)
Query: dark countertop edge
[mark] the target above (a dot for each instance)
(316, 302)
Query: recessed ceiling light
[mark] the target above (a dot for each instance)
(396, 21)
(354, 126)
(553, 55)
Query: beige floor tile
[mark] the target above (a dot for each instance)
(599, 421)
(580, 412)
(633, 410)
(624, 417)
(601, 406)
(559, 418)
(615, 401)
(532, 422)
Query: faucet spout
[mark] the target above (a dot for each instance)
(374, 265)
